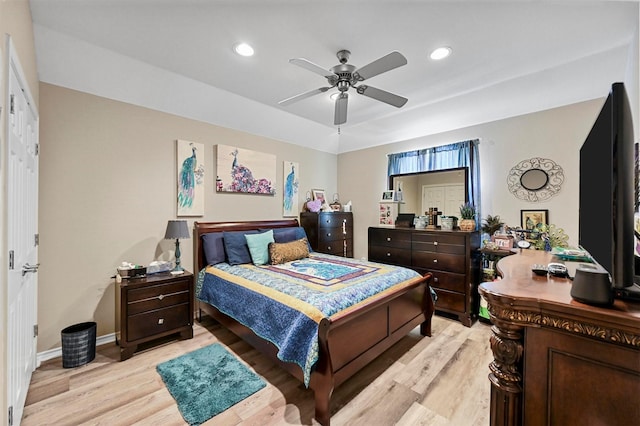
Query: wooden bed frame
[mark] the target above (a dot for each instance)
(347, 342)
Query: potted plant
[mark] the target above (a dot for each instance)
(491, 224)
(468, 215)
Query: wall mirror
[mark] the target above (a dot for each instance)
(535, 179)
(445, 189)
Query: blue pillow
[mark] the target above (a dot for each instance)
(213, 245)
(235, 245)
(259, 247)
(286, 235)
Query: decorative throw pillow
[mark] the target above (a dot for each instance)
(235, 245)
(286, 252)
(259, 247)
(213, 245)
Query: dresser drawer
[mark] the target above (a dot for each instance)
(391, 255)
(332, 234)
(443, 238)
(335, 220)
(449, 281)
(158, 321)
(337, 247)
(389, 238)
(439, 261)
(449, 301)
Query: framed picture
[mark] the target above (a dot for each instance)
(190, 165)
(245, 170)
(387, 196)
(290, 171)
(533, 219)
(318, 194)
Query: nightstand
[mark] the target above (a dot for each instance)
(151, 307)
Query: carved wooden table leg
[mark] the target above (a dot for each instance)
(506, 373)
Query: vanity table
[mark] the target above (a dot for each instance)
(558, 361)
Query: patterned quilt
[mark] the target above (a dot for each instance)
(284, 304)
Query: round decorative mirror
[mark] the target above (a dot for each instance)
(535, 179)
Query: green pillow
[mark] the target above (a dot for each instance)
(259, 247)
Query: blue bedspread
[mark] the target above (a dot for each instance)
(284, 304)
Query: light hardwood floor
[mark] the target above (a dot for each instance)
(436, 381)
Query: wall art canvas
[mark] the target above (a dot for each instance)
(290, 173)
(244, 170)
(191, 169)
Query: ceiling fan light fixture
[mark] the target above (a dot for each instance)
(243, 49)
(440, 53)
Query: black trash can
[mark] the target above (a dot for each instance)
(78, 344)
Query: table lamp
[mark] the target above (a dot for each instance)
(177, 229)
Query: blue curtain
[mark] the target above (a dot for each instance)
(459, 154)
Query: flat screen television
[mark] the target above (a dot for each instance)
(607, 190)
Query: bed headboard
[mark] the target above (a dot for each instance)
(201, 228)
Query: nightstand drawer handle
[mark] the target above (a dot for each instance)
(388, 238)
(161, 297)
(160, 321)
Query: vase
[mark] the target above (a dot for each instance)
(467, 225)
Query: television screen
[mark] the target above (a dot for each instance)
(607, 189)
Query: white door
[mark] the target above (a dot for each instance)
(22, 236)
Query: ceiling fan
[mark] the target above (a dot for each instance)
(343, 76)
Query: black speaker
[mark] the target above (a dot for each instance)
(592, 285)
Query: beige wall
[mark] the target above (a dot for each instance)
(108, 187)
(15, 20)
(556, 134)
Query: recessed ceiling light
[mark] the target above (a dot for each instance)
(440, 53)
(243, 49)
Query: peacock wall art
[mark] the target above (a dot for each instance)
(290, 189)
(190, 166)
(244, 170)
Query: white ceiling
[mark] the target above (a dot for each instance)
(509, 57)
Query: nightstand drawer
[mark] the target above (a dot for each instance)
(154, 291)
(159, 301)
(158, 321)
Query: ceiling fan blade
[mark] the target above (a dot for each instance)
(340, 116)
(301, 96)
(384, 64)
(308, 65)
(382, 96)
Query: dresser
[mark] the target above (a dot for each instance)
(558, 361)
(329, 232)
(151, 307)
(451, 256)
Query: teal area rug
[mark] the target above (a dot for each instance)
(206, 382)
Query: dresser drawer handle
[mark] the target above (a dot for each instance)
(435, 260)
(161, 297)
(328, 247)
(435, 243)
(388, 254)
(388, 238)
(328, 234)
(436, 279)
(160, 321)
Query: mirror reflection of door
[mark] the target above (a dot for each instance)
(534, 179)
(447, 198)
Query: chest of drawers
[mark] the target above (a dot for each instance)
(451, 256)
(151, 307)
(329, 232)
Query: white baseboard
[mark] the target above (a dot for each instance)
(57, 352)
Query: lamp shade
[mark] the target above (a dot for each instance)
(176, 229)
